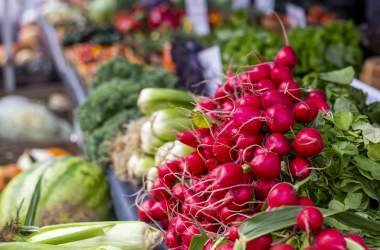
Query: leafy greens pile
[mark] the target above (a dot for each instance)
(112, 102)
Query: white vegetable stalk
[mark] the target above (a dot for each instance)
(171, 151)
(138, 165)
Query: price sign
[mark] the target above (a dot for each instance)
(211, 62)
(240, 4)
(197, 12)
(296, 14)
(265, 6)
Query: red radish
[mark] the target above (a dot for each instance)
(240, 195)
(245, 155)
(282, 194)
(266, 165)
(222, 150)
(291, 89)
(172, 240)
(249, 177)
(260, 243)
(160, 191)
(264, 85)
(320, 104)
(305, 201)
(286, 56)
(228, 106)
(280, 73)
(206, 104)
(209, 227)
(248, 119)
(189, 233)
(210, 209)
(205, 148)
(143, 212)
(305, 111)
(331, 239)
(211, 164)
(279, 118)
(181, 191)
(226, 246)
(259, 72)
(317, 93)
(278, 144)
(220, 94)
(272, 97)
(165, 223)
(179, 224)
(226, 175)
(252, 101)
(308, 142)
(195, 164)
(282, 246)
(246, 140)
(226, 215)
(260, 150)
(300, 168)
(232, 233)
(358, 239)
(168, 171)
(191, 206)
(262, 188)
(227, 129)
(160, 209)
(310, 219)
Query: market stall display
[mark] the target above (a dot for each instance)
(278, 151)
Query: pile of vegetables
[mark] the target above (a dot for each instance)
(112, 103)
(320, 49)
(258, 148)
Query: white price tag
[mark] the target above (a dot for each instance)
(296, 14)
(240, 4)
(211, 61)
(265, 6)
(197, 12)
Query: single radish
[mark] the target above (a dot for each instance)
(282, 246)
(260, 243)
(320, 104)
(282, 194)
(317, 93)
(272, 97)
(210, 209)
(291, 89)
(280, 73)
(262, 188)
(252, 101)
(305, 111)
(248, 140)
(191, 205)
(226, 215)
(206, 104)
(228, 106)
(209, 227)
(264, 85)
(278, 144)
(286, 55)
(248, 119)
(310, 219)
(160, 210)
(165, 223)
(232, 233)
(305, 201)
(172, 240)
(266, 165)
(189, 233)
(188, 138)
(358, 239)
(260, 150)
(167, 171)
(226, 175)
(143, 212)
(179, 224)
(240, 195)
(279, 118)
(181, 191)
(222, 150)
(226, 246)
(195, 164)
(211, 164)
(308, 142)
(160, 191)
(259, 72)
(245, 155)
(331, 239)
(300, 168)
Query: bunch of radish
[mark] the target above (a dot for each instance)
(245, 162)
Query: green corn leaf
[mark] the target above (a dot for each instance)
(198, 242)
(239, 245)
(33, 205)
(266, 222)
(355, 221)
(352, 245)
